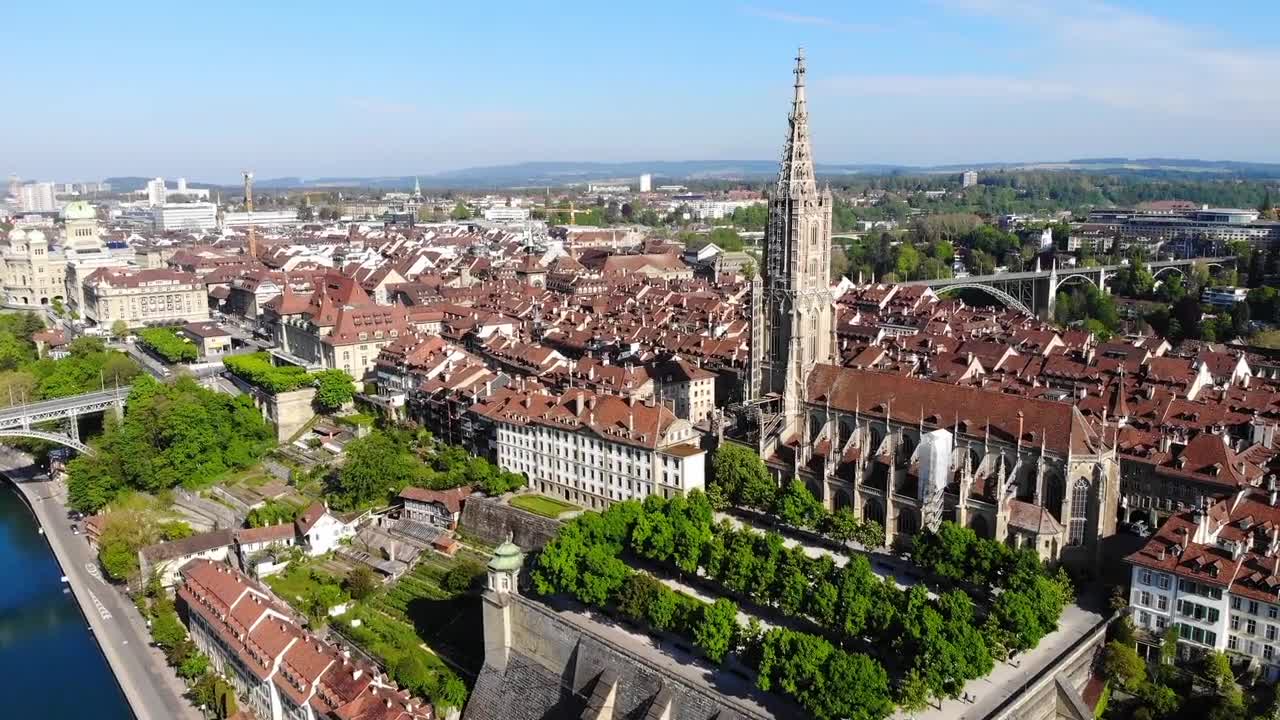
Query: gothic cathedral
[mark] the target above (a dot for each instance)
(793, 312)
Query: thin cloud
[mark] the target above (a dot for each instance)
(811, 20)
(1094, 54)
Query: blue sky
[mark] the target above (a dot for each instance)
(326, 88)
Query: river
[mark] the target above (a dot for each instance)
(50, 665)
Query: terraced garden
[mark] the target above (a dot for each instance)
(446, 620)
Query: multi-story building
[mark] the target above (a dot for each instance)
(1223, 297)
(38, 197)
(156, 193)
(337, 327)
(84, 251)
(969, 178)
(282, 671)
(646, 183)
(260, 218)
(1213, 572)
(1208, 225)
(144, 297)
(594, 450)
(33, 272)
(184, 216)
(690, 389)
(500, 213)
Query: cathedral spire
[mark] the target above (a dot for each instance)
(797, 178)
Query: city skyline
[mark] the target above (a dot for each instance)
(176, 93)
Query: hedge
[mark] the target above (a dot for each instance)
(167, 344)
(256, 369)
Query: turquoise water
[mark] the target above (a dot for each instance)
(50, 665)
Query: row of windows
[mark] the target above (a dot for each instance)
(1196, 611)
(1249, 647)
(1144, 598)
(1201, 589)
(1162, 580)
(1251, 627)
(1196, 634)
(1253, 607)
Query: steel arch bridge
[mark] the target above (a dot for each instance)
(1035, 291)
(21, 420)
(53, 437)
(1005, 298)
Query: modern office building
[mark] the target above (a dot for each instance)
(260, 218)
(38, 197)
(1206, 225)
(184, 216)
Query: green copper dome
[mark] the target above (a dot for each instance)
(507, 558)
(79, 210)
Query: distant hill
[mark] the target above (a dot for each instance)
(560, 173)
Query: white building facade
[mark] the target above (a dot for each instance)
(1212, 573)
(594, 450)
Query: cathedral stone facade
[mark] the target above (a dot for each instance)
(793, 312)
(907, 452)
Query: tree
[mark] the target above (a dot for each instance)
(334, 388)
(166, 630)
(852, 686)
(1124, 664)
(602, 576)
(119, 329)
(1162, 699)
(739, 477)
(319, 601)
(460, 577)
(460, 212)
(797, 506)
(636, 596)
(714, 634)
(376, 466)
(1217, 670)
(913, 693)
(193, 666)
(361, 582)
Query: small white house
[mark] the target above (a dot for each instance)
(321, 531)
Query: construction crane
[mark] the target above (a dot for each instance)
(248, 207)
(572, 211)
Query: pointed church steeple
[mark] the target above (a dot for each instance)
(796, 178)
(793, 324)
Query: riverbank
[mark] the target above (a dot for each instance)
(43, 630)
(150, 688)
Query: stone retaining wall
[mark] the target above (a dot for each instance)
(490, 519)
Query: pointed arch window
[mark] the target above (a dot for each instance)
(1079, 512)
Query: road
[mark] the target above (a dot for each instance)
(152, 689)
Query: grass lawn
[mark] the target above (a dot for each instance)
(542, 505)
(297, 581)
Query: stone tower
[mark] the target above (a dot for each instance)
(793, 326)
(503, 582)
